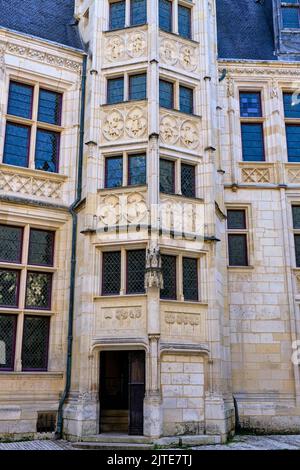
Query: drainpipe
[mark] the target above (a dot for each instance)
(72, 210)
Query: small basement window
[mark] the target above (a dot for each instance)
(46, 421)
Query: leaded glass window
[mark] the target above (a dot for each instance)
(113, 172)
(50, 107)
(138, 12)
(184, 21)
(290, 14)
(253, 142)
(236, 219)
(186, 99)
(167, 176)
(11, 244)
(291, 107)
(166, 94)
(169, 276)
(35, 343)
(117, 15)
(115, 90)
(296, 216)
(136, 271)
(47, 150)
(20, 100)
(250, 104)
(16, 147)
(8, 327)
(293, 142)
(9, 288)
(297, 249)
(38, 291)
(41, 247)
(136, 169)
(111, 273)
(188, 188)
(165, 15)
(138, 87)
(237, 246)
(190, 278)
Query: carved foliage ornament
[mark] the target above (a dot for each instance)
(122, 209)
(132, 121)
(175, 131)
(121, 47)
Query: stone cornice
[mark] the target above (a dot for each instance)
(254, 69)
(39, 55)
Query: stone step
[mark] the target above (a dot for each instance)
(111, 446)
(114, 413)
(172, 441)
(114, 419)
(116, 438)
(114, 427)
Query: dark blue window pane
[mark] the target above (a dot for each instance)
(137, 87)
(252, 142)
(20, 100)
(166, 94)
(47, 150)
(184, 21)
(291, 106)
(115, 90)
(137, 169)
(117, 15)
(50, 107)
(250, 104)
(16, 147)
(167, 176)
(113, 172)
(296, 216)
(188, 180)
(138, 12)
(290, 17)
(165, 15)
(186, 99)
(293, 142)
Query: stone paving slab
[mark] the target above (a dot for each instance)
(36, 445)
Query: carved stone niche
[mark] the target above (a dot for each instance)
(153, 274)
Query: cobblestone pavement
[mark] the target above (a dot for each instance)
(291, 442)
(275, 442)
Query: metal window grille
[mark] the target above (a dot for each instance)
(47, 150)
(11, 243)
(20, 100)
(9, 286)
(35, 343)
(136, 263)
(169, 275)
(16, 147)
(46, 421)
(188, 180)
(190, 278)
(111, 274)
(167, 176)
(49, 109)
(38, 290)
(41, 245)
(8, 326)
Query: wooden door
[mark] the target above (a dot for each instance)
(136, 392)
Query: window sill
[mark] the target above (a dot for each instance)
(242, 268)
(126, 28)
(121, 189)
(33, 172)
(144, 100)
(185, 302)
(191, 115)
(178, 36)
(181, 196)
(21, 374)
(117, 296)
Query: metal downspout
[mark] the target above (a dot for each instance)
(72, 209)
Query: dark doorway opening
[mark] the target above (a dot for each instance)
(122, 390)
